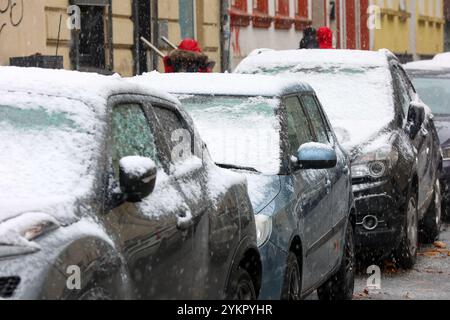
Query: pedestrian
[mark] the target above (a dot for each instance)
(325, 38)
(309, 40)
(188, 58)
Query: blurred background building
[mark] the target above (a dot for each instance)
(228, 30)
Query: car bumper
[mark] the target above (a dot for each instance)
(273, 265)
(378, 203)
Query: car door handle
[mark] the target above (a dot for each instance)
(184, 221)
(345, 170)
(328, 186)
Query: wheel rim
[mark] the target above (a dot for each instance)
(244, 291)
(294, 284)
(412, 230)
(438, 203)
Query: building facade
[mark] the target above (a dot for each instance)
(447, 25)
(275, 24)
(106, 38)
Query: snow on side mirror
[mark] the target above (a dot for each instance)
(316, 156)
(137, 177)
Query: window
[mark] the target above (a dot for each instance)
(239, 5)
(92, 37)
(261, 18)
(283, 7)
(175, 133)
(187, 18)
(282, 18)
(302, 9)
(298, 127)
(261, 6)
(401, 89)
(317, 120)
(131, 135)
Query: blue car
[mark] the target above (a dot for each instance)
(275, 132)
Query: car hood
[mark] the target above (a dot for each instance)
(262, 189)
(442, 124)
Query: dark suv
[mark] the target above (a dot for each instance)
(108, 193)
(390, 133)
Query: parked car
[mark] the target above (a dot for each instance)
(97, 202)
(432, 81)
(380, 120)
(274, 132)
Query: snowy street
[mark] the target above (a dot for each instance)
(428, 280)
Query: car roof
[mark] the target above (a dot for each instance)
(223, 84)
(361, 58)
(91, 88)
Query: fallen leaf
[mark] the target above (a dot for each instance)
(431, 254)
(440, 245)
(366, 291)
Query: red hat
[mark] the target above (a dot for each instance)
(325, 38)
(190, 45)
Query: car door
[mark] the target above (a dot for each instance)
(311, 202)
(155, 249)
(422, 141)
(188, 168)
(430, 151)
(338, 183)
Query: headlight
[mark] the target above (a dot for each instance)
(263, 229)
(17, 234)
(375, 164)
(446, 154)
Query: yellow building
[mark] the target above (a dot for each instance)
(410, 28)
(108, 39)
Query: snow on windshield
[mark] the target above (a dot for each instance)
(357, 99)
(46, 151)
(239, 131)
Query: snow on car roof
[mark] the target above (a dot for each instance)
(289, 57)
(429, 65)
(71, 84)
(222, 84)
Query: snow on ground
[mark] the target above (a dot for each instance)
(354, 87)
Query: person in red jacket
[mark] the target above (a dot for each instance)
(325, 38)
(188, 58)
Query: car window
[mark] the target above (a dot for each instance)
(175, 133)
(298, 126)
(131, 134)
(317, 120)
(401, 87)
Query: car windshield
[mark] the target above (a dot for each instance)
(435, 92)
(46, 148)
(239, 131)
(357, 99)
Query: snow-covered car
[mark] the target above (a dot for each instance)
(431, 78)
(389, 132)
(274, 132)
(101, 200)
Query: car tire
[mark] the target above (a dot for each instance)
(241, 286)
(406, 253)
(292, 279)
(342, 285)
(432, 222)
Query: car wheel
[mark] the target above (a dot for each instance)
(431, 224)
(292, 279)
(342, 285)
(241, 286)
(406, 253)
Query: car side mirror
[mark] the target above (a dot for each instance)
(315, 156)
(416, 117)
(137, 177)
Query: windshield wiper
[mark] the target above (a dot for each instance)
(232, 166)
